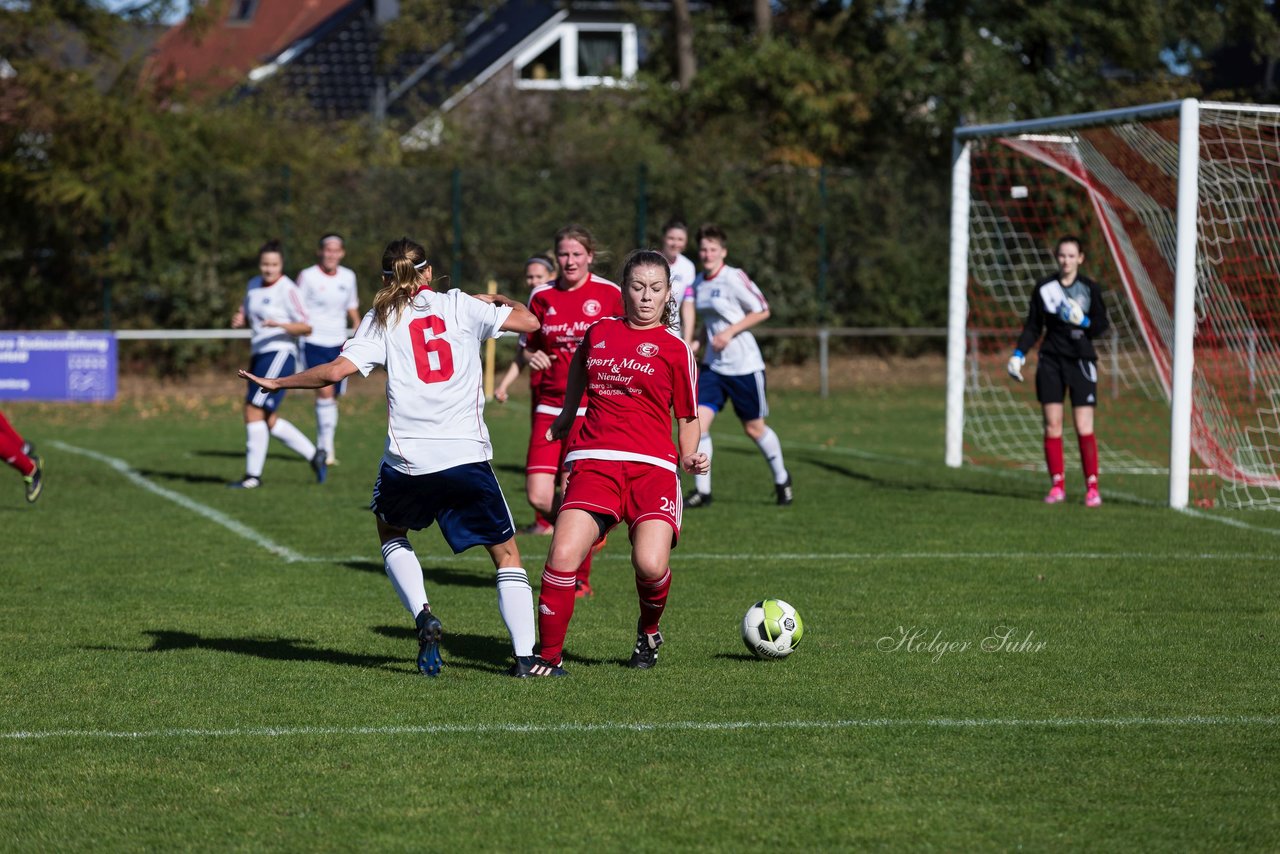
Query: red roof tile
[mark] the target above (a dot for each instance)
(211, 61)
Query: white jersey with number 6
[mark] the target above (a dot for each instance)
(435, 393)
(722, 299)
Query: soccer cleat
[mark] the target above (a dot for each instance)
(785, 495)
(582, 589)
(645, 655)
(532, 667)
(35, 480)
(429, 661)
(319, 466)
(1056, 495)
(697, 499)
(1092, 498)
(538, 529)
(247, 482)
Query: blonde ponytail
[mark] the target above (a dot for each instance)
(404, 266)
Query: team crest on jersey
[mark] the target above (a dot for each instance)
(591, 308)
(648, 350)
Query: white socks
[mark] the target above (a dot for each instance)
(294, 438)
(515, 604)
(255, 447)
(702, 482)
(405, 573)
(772, 450)
(326, 423)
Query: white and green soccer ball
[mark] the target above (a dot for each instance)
(772, 629)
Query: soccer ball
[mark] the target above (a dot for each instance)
(772, 629)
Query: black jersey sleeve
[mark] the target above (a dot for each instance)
(1034, 325)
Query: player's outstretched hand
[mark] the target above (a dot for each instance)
(237, 319)
(696, 463)
(537, 360)
(268, 384)
(1016, 361)
(500, 394)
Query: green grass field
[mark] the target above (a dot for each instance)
(189, 667)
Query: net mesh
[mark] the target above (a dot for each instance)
(1116, 186)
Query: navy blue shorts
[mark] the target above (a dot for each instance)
(465, 500)
(279, 363)
(314, 354)
(746, 392)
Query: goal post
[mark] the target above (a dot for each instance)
(1178, 205)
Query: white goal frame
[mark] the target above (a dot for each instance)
(1185, 270)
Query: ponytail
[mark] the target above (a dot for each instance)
(403, 266)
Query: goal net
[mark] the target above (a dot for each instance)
(1113, 179)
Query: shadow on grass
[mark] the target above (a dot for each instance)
(184, 476)
(460, 649)
(446, 576)
(479, 652)
(997, 490)
(508, 468)
(273, 454)
(273, 649)
(735, 656)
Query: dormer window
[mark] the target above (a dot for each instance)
(579, 56)
(241, 11)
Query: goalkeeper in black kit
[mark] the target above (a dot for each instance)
(1067, 308)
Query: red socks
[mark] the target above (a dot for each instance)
(555, 609)
(1088, 458)
(1053, 459)
(653, 600)
(11, 449)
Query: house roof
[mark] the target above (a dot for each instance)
(209, 60)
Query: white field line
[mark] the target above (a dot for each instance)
(1189, 721)
(216, 516)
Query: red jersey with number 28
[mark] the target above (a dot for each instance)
(565, 316)
(636, 380)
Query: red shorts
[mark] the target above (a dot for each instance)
(545, 456)
(628, 491)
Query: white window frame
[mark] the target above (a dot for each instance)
(567, 34)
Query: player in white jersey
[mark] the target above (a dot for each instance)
(329, 293)
(675, 237)
(274, 312)
(729, 304)
(436, 467)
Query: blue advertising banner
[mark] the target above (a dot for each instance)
(57, 366)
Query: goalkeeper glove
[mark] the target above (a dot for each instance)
(1015, 365)
(1070, 312)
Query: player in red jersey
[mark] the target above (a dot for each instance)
(565, 308)
(21, 455)
(538, 270)
(622, 463)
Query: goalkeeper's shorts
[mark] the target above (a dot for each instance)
(1056, 374)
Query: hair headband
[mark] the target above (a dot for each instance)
(538, 259)
(424, 262)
